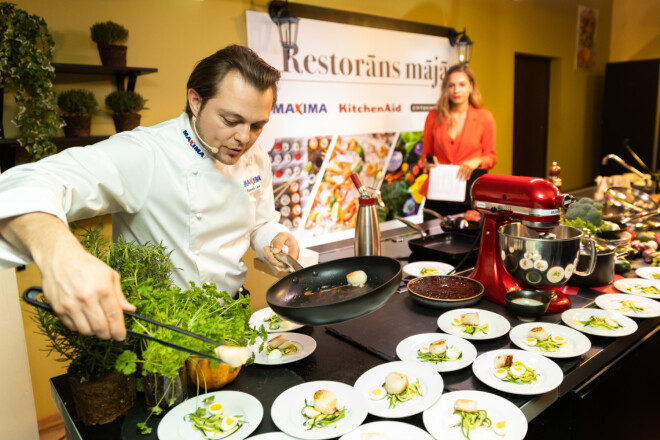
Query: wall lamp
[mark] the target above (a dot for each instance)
(286, 24)
(463, 44)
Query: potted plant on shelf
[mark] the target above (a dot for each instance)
(77, 106)
(125, 106)
(109, 37)
(25, 63)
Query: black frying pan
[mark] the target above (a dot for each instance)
(320, 294)
(448, 247)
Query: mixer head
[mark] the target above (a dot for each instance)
(536, 201)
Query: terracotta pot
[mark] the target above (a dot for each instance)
(112, 55)
(165, 392)
(202, 375)
(126, 121)
(103, 399)
(77, 125)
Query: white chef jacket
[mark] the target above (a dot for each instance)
(160, 185)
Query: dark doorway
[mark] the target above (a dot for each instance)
(531, 97)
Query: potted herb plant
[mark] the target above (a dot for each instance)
(125, 106)
(101, 392)
(25, 62)
(77, 106)
(109, 37)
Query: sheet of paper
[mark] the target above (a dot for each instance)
(444, 185)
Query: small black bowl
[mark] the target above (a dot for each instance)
(528, 305)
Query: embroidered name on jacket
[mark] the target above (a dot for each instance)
(192, 144)
(252, 184)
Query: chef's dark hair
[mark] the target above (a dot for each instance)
(209, 72)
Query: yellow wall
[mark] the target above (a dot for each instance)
(173, 34)
(637, 30)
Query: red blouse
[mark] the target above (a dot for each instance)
(476, 140)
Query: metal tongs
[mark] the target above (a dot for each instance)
(31, 295)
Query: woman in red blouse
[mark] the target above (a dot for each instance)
(459, 132)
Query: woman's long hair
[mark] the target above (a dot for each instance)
(444, 104)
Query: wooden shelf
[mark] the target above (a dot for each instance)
(120, 73)
(125, 78)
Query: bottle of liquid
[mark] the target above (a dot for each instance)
(367, 230)
(553, 175)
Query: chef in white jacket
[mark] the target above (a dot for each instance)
(197, 183)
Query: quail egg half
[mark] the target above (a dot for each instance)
(500, 427)
(377, 393)
(530, 341)
(215, 409)
(517, 371)
(228, 423)
(500, 373)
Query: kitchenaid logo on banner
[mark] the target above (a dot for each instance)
(430, 71)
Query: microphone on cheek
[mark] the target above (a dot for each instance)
(214, 150)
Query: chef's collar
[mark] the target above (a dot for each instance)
(191, 140)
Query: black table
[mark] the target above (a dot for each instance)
(342, 356)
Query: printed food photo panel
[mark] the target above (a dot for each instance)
(296, 163)
(404, 178)
(336, 199)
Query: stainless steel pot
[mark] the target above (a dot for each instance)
(603, 273)
(536, 259)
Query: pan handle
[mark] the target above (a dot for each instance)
(413, 225)
(289, 261)
(433, 213)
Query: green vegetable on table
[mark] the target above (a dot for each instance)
(585, 214)
(622, 266)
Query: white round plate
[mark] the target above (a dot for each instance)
(306, 346)
(387, 430)
(287, 407)
(429, 379)
(649, 272)
(174, 427)
(577, 343)
(571, 315)
(548, 374)
(497, 324)
(257, 319)
(612, 301)
(407, 350)
(415, 269)
(272, 436)
(633, 286)
(438, 424)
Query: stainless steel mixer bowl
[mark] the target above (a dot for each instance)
(537, 260)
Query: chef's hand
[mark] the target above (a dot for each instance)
(277, 244)
(428, 165)
(466, 168)
(83, 291)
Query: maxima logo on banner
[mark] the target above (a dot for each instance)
(300, 108)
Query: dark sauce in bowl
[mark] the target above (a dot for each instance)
(445, 287)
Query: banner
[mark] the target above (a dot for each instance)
(351, 98)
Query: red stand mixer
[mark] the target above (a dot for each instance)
(537, 203)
